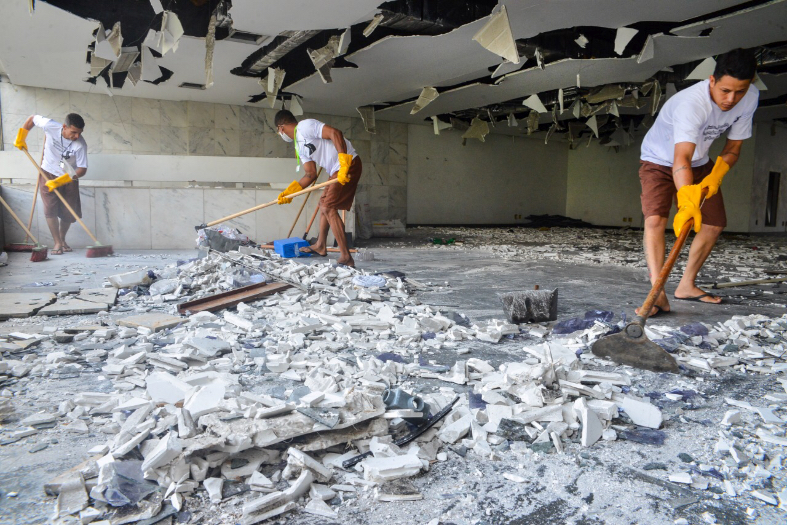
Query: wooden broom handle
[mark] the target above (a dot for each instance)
(303, 205)
(271, 203)
(658, 286)
(67, 205)
(35, 192)
(22, 224)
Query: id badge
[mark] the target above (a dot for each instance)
(298, 168)
(62, 165)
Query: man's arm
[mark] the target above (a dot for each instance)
(80, 173)
(310, 174)
(681, 165)
(731, 151)
(28, 125)
(335, 136)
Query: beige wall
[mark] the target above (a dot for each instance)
(483, 183)
(770, 155)
(604, 188)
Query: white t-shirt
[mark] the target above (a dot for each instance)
(58, 148)
(312, 147)
(692, 116)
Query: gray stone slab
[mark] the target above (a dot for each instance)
(155, 322)
(105, 296)
(72, 306)
(23, 304)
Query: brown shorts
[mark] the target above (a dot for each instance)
(340, 197)
(658, 193)
(53, 207)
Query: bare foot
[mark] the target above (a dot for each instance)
(693, 292)
(660, 306)
(347, 262)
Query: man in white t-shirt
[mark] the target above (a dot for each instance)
(317, 143)
(65, 161)
(674, 160)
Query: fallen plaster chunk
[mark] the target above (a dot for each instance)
(204, 400)
(681, 477)
(73, 497)
(166, 450)
(214, 486)
(261, 483)
(240, 322)
(514, 478)
(427, 96)
(765, 496)
(386, 469)
(496, 36)
(318, 507)
(731, 417)
(455, 431)
(278, 502)
(591, 425)
(641, 413)
(166, 388)
(301, 460)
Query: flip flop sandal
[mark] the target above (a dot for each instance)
(68, 250)
(56, 252)
(309, 251)
(698, 299)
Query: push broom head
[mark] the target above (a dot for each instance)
(20, 247)
(99, 251)
(39, 253)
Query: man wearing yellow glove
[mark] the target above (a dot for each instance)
(317, 143)
(65, 161)
(675, 163)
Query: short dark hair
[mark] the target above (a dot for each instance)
(76, 120)
(284, 117)
(738, 63)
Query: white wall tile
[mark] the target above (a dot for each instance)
(173, 214)
(123, 217)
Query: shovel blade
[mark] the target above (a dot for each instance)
(638, 352)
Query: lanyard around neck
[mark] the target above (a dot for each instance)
(295, 139)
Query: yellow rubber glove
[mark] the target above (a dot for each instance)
(60, 181)
(21, 136)
(294, 187)
(689, 198)
(345, 160)
(713, 180)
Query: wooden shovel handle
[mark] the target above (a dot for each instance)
(658, 286)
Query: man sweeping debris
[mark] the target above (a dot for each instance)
(65, 161)
(674, 160)
(318, 143)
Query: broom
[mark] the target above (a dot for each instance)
(39, 252)
(26, 246)
(99, 250)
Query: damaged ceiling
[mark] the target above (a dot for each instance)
(384, 55)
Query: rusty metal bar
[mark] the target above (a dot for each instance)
(229, 299)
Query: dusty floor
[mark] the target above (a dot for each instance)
(602, 484)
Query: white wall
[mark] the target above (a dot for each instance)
(770, 155)
(604, 187)
(482, 183)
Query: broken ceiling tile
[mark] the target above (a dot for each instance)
(368, 30)
(496, 36)
(512, 123)
(367, 116)
(210, 44)
(648, 50)
(128, 56)
(540, 61)
(427, 96)
(344, 41)
(623, 37)
(272, 83)
(593, 124)
(108, 45)
(439, 125)
(703, 70)
(507, 67)
(324, 58)
(170, 33)
(576, 108)
(295, 106)
(550, 131)
(534, 103)
(604, 93)
(578, 86)
(478, 130)
(532, 122)
(655, 100)
(150, 70)
(134, 73)
(758, 83)
(613, 109)
(98, 65)
(560, 98)
(582, 41)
